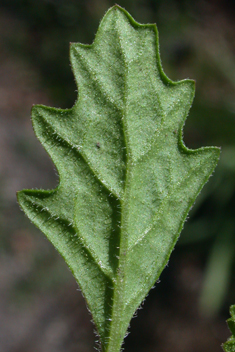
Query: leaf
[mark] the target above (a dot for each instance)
(229, 346)
(127, 181)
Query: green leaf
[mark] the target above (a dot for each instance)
(127, 181)
(229, 346)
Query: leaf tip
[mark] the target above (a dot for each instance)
(20, 196)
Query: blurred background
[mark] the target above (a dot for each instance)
(41, 308)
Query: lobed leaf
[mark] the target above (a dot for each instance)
(127, 181)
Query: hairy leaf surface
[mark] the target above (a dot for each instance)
(127, 181)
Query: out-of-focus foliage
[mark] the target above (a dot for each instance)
(229, 346)
(213, 223)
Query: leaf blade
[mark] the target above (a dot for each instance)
(127, 181)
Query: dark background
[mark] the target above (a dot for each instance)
(41, 308)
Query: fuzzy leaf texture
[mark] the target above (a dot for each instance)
(229, 346)
(127, 181)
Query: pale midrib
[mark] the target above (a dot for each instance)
(119, 286)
